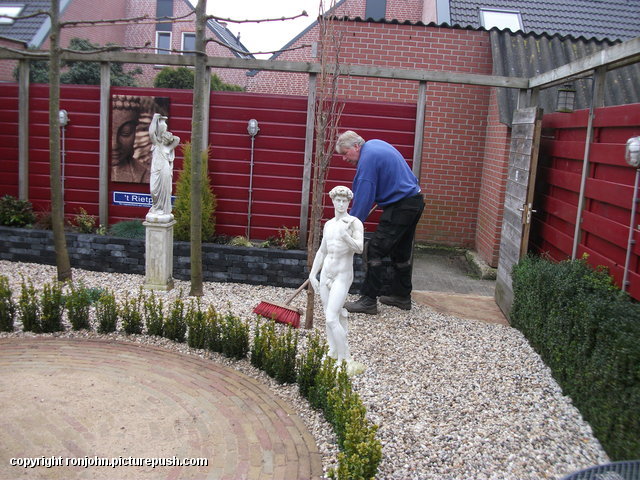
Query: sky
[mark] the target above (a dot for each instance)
(265, 36)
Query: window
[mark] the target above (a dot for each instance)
(188, 43)
(9, 12)
(163, 42)
(502, 19)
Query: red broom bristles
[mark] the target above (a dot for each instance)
(279, 313)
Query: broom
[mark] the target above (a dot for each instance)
(282, 313)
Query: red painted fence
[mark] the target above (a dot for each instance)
(278, 151)
(608, 193)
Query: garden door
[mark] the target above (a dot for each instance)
(518, 202)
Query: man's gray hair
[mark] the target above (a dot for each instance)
(341, 191)
(347, 140)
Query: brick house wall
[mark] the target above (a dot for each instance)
(141, 33)
(464, 144)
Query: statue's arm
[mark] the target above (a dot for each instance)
(355, 235)
(153, 128)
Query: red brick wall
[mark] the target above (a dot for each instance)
(494, 177)
(141, 33)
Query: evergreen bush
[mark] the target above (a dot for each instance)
(128, 229)
(175, 325)
(182, 206)
(154, 315)
(15, 212)
(588, 333)
(107, 312)
(131, 315)
(52, 307)
(197, 323)
(310, 362)
(7, 306)
(235, 337)
(214, 330)
(78, 303)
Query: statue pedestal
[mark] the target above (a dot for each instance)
(159, 252)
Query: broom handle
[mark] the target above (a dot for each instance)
(306, 282)
(295, 294)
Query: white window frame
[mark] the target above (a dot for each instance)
(11, 11)
(501, 18)
(184, 34)
(162, 50)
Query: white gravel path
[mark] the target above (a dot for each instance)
(454, 398)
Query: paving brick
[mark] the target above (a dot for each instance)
(78, 398)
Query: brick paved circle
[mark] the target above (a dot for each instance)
(76, 399)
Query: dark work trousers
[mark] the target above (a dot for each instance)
(393, 238)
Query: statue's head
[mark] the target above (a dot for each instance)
(341, 191)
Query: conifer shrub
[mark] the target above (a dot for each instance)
(29, 307)
(263, 338)
(235, 337)
(310, 362)
(128, 229)
(107, 312)
(175, 325)
(131, 315)
(214, 329)
(78, 303)
(196, 320)
(154, 314)
(182, 206)
(52, 307)
(7, 306)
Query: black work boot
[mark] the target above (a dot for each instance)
(403, 303)
(363, 305)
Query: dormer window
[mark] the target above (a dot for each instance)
(501, 19)
(8, 13)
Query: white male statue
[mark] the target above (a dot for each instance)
(343, 236)
(163, 154)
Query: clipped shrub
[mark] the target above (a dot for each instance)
(29, 307)
(235, 337)
(362, 452)
(263, 338)
(7, 306)
(588, 333)
(182, 207)
(131, 315)
(107, 312)
(78, 303)
(154, 315)
(282, 358)
(214, 330)
(15, 212)
(197, 323)
(183, 77)
(310, 362)
(175, 325)
(52, 307)
(128, 229)
(324, 382)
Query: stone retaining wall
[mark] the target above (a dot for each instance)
(220, 263)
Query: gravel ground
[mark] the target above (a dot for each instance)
(454, 399)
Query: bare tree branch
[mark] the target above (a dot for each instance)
(229, 20)
(107, 48)
(138, 20)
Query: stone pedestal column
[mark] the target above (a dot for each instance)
(159, 252)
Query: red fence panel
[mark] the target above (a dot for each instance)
(608, 194)
(278, 156)
(9, 140)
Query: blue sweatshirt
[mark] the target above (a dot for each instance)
(382, 176)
